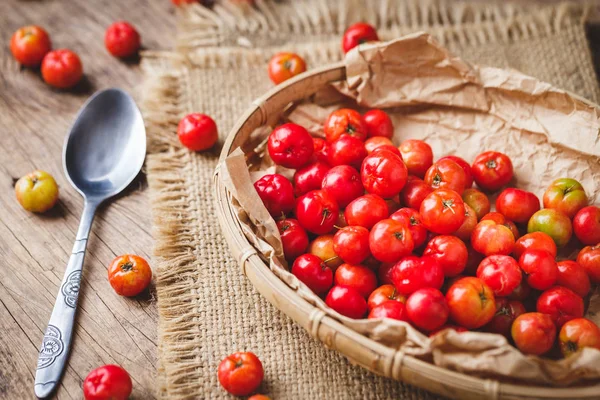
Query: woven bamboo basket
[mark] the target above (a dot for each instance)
(358, 349)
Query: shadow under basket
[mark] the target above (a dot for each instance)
(357, 348)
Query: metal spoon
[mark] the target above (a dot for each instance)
(102, 154)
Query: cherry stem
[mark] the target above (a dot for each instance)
(331, 259)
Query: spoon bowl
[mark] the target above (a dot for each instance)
(106, 147)
(103, 153)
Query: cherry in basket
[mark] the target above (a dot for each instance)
(290, 145)
(589, 259)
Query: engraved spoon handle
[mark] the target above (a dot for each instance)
(56, 344)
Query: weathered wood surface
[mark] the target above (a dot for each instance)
(34, 249)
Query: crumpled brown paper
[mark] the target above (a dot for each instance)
(458, 109)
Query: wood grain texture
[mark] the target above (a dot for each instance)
(34, 249)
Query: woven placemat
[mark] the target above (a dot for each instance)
(207, 308)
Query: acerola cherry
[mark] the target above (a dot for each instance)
(478, 201)
(276, 193)
(506, 313)
(390, 309)
(577, 334)
(351, 243)
(310, 177)
(344, 121)
(534, 240)
(539, 267)
(358, 277)
(468, 225)
(122, 39)
(471, 302)
(378, 124)
(413, 273)
(586, 225)
(552, 222)
(427, 309)
(372, 143)
(589, 259)
(383, 173)
(414, 192)
(197, 132)
(313, 272)
(390, 240)
(284, 66)
(501, 273)
(572, 276)
(442, 211)
(293, 238)
(533, 333)
(490, 238)
(290, 145)
(450, 252)
(343, 183)
(412, 219)
(322, 247)
(491, 170)
(561, 304)
(347, 150)
(347, 301)
(317, 211)
(357, 34)
(446, 174)
(382, 294)
(517, 205)
(366, 211)
(417, 156)
(566, 196)
(465, 166)
(320, 150)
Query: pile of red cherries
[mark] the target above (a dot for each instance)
(381, 231)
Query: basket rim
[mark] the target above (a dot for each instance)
(256, 269)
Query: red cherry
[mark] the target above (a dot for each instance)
(293, 238)
(351, 243)
(343, 183)
(366, 211)
(310, 177)
(358, 277)
(427, 309)
(347, 301)
(383, 173)
(276, 193)
(412, 219)
(390, 309)
(347, 150)
(413, 273)
(290, 145)
(317, 211)
(378, 123)
(390, 240)
(313, 272)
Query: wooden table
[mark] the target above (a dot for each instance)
(34, 249)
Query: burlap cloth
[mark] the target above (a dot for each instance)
(207, 308)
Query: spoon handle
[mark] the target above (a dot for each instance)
(56, 344)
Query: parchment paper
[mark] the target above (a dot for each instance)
(458, 109)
